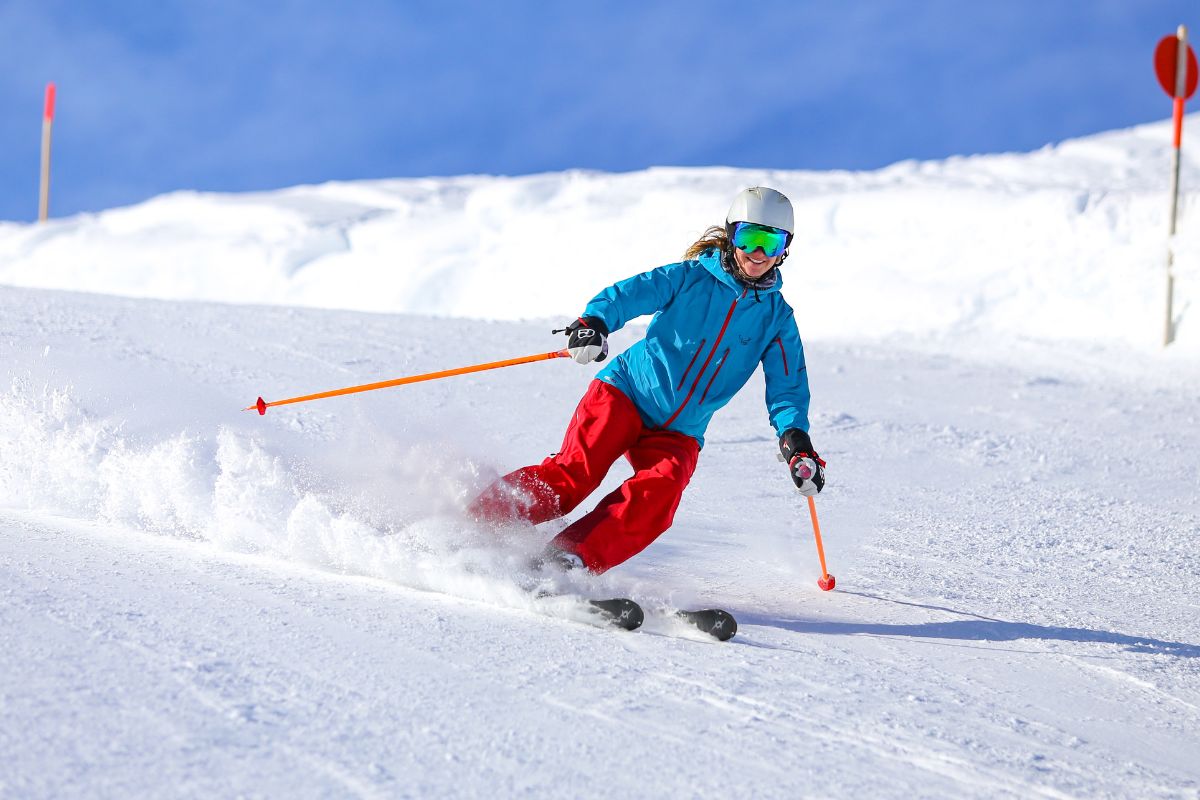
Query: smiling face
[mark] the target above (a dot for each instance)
(754, 265)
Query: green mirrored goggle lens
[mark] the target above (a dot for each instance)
(749, 237)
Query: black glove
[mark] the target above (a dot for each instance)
(806, 467)
(587, 340)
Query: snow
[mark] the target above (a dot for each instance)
(1066, 242)
(197, 601)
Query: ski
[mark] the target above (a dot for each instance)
(619, 611)
(714, 621)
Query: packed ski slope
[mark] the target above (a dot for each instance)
(198, 601)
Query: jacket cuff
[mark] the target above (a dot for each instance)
(595, 323)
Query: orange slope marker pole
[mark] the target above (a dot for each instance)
(826, 581)
(1178, 96)
(1178, 73)
(47, 124)
(261, 406)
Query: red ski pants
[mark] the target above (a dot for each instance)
(605, 427)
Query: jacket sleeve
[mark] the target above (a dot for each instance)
(637, 296)
(786, 378)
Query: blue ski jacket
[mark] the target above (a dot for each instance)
(708, 335)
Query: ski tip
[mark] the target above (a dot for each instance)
(622, 612)
(826, 582)
(725, 627)
(716, 622)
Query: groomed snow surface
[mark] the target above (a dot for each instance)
(196, 601)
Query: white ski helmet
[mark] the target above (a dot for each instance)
(762, 206)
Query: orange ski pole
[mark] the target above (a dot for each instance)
(826, 581)
(261, 406)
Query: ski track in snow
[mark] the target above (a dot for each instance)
(199, 601)
(298, 671)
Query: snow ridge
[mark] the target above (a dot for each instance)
(1068, 242)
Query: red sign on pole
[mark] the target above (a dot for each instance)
(1166, 66)
(1175, 66)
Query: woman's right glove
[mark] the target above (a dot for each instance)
(805, 466)
(587, 340)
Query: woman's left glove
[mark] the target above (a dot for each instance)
(805, 466)
(587, 340)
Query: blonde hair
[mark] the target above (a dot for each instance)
(714, 237)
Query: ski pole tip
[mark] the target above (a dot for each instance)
(260, 407)
(826, 582)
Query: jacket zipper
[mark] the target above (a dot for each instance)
(782, 354)
(700, 375)
(699, 347)
(716, 372)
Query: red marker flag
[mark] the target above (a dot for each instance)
(1166, 67)
(1175, 66)
(49, 114)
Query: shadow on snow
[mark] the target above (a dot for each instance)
(976, 629)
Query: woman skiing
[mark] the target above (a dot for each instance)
(717, 315)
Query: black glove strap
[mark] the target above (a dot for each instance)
(584, 322)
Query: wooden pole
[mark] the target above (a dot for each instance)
(1181, 64)
(47, 124)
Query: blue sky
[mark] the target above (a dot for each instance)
(230, 95)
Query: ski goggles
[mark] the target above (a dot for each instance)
(749, 236)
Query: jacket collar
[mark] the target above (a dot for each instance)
(710, 259)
